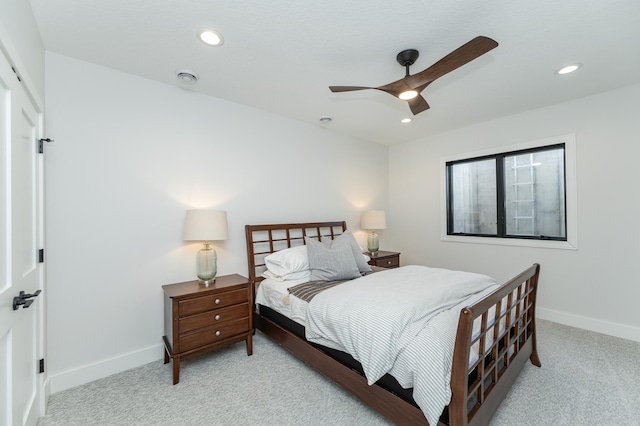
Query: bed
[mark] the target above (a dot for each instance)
(494, 336)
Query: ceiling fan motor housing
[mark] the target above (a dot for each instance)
(407, 57)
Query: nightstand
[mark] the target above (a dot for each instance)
(385, 259)
(199, 318)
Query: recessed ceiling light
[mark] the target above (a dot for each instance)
(405, 120)
(187, 76)
(568, 69)
(326, 119)
(212, 38)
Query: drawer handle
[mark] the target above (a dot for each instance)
(217, 317)
(217, 332)
(217, 301)
(388, 262)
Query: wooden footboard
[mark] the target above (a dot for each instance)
(500, 331)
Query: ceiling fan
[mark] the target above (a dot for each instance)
(410, 87)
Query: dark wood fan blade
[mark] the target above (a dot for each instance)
(454, 60)
(396, 87)
(418, 104)
(348, 88)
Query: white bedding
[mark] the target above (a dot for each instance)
(414, 343)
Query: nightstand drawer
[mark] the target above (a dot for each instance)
(384, 259)
(214, 301)
(216, 316)
(392, 262)
(213, 334)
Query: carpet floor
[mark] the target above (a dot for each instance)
(586, 379)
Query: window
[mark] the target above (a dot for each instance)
(518, 194)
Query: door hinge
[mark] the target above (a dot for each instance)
(41, 256)
(41, 366)
(41, 144)
(16, 73)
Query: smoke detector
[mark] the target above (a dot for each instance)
(187, 76)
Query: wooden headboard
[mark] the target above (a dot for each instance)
(263, 240)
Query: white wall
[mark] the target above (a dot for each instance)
(595, 287)
(19, 34)
(130, 156)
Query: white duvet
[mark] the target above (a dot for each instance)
(400, 321)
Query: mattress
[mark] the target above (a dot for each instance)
(275, 295)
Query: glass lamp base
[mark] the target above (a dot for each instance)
(206, 265)
(373, 242)
(206, 282)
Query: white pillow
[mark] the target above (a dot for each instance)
(302, 275)
(285, 262)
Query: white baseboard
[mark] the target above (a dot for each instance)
(88, 373)
(46, 393)
(605, 327)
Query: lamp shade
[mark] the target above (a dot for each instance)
(373, 219)
(205, 225)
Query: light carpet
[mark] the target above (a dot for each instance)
(586, 379)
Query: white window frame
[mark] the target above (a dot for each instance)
(571, 196)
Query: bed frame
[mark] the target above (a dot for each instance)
(477, 390)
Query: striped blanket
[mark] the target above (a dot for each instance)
(390, 323)
(307, 291)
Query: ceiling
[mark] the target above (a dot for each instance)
(281, 56)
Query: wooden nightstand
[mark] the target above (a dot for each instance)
(199, 318)
(385, 259)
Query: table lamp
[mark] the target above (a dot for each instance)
(372, 220)
(206, 226)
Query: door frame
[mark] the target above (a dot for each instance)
(9, 51)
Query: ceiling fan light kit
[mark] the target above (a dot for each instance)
(410, 87)
(409, 94)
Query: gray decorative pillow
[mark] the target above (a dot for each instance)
(363, 266)
(331, 260)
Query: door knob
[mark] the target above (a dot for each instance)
(24, 299)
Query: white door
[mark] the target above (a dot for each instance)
(21, 237)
